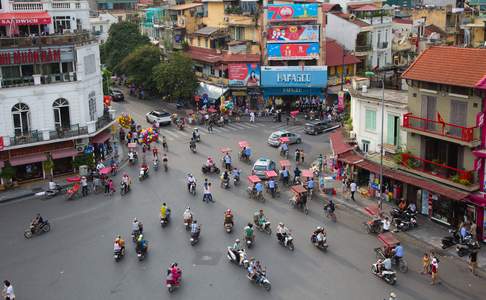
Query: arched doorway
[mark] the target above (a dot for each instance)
(61, 114)
(21, 119)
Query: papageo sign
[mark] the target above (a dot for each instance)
(302, 78)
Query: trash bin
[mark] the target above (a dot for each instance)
(83, 170)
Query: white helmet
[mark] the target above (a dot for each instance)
(237, 241)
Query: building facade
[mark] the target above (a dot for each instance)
(52, 101)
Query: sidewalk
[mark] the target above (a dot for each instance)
(427, 232)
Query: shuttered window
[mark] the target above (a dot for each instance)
(370, 123)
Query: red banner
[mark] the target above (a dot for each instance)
(293, 33)
(24, 18)
(29, 57)
(1, 143)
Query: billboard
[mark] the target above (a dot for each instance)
(294, 77)
(293, 51)
(283, 12)
(293, 34)
(244, 74)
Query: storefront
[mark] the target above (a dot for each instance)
(101, 144)
(63, 160)
(244, 83)
(210, 94)
(24, 23)
(284, 86)
(28, 167)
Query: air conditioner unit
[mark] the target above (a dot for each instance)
(81, 144)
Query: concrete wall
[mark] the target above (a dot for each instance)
(216, 15)
(342, 31)
(381, 56)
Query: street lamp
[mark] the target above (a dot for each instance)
(370, 75)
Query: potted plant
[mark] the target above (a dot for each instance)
(7, 174)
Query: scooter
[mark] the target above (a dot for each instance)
(170, 283)
(141, 253)
(263, 281)
(192, 188)
(287, 242)
(135, 234)
(192, 147)
(225, 184)
(143, 174)
(228, 227)
(249, 241)
(39, 229)
(213, 169)
(405, 224)
(194, 238)
(451, 240)
(466, 248)
(156, 165)
(236, 180)
(322, 246)
(187, 224)
(165, 221)
(51, 192)
(118, 255)
(264, 228)
(389, 276)
(124, 188)
(232, 258)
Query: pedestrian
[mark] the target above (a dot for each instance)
(287, 119)
(84, 186)
(252, 117)
(111, 187)
(107, 187)
(473, 262)
(353, 187)
(8, 291)
(155, 152)
(425, 263)
(302, 156)
(297, 155)
(473, 230)
(205, 190)
(210, 126)
(434, 270)
(344, 183)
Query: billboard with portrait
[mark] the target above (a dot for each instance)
(293, 34)
(244, 74)
(293, 51)
(284, 12)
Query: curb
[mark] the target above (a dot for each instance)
(27, 194)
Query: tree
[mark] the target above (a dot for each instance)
(176, 78)
(106, 80)
(123, 38)
(138, 65)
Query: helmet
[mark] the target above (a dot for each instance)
(261, 210)
(319, 228)
(195, 221)
(135, 220)
(228, 211)
(280, 224)
(117, 239)
(164, 204)
(237, 240)
(140, 237)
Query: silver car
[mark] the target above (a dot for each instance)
(274, 138)
(161, 117)
(261, 166)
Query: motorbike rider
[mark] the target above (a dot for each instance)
(282, 232)
(144, 167)
(53, 186)
(195, 134)
(384, 265)
(131, 156)
(227, 161)
(319, 234)
(225, 177)
(258, 188)
(260, 218)
(141, 245)
(192, 143)
(164, 142)
(237, 249)
(249, 232)
(284, 175)
(398, 253)
(228, 217)
(272, 186)
(174, 274)
(36, 222)
(210, 163)
(119, 245)
(245, 153)
(296, 173)
(187, 216)
(284, 149)
(255, 271)
(190, 180)
(137, 226)
(310, 184)
(236, 173)
(164, 211)
(165, 160)
(330, 207)
(195, 229)
(386, 224)
(126, 182)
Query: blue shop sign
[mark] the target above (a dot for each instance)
(292, 91)
(305, 77)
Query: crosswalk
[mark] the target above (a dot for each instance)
(172, 133)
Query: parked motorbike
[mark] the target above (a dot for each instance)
(451, 240)
(389, 276)
(39, 229)
(405, 223)
(51, 192)
(321, 246)
(287, 242)
(467, 247)
(232, 257)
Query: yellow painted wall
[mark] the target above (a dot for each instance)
(436, 17)
(215, 16)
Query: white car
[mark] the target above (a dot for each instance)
(274, 138)
(156, 116)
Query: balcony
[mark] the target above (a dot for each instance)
(44, 5)
(466, 136)
(44, 79)
(74, 130)
(49, 40)
(26, 138)
(363, 48)
(102, 122)
(435, 170)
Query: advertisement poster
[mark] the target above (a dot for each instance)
(293, 51)
(293, 34)
(294, 77)
(283, 12)
(244, 74)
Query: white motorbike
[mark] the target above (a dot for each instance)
(232, 257)
(287, 241)
(389, 276)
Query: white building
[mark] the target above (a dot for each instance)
(51, 98)
(366, 115)
(366, 31)
(100, 25)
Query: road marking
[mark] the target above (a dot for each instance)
(246, 126)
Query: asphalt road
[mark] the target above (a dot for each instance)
(74, 260)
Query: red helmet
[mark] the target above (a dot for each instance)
(228, 211)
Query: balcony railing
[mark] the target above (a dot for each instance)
(103, 121)
(26, 138)
(49, 40)
(456, 132)
(44, 79)
(41, 5)
(74, 130)
(438, 169)
(363, 48)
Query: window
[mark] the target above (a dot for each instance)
(21, 119)
(206, 43)
(370, 116)
(92, 106)
(61, 23)
(89, 64)
(101, 28)
(366, 146)
(239, 33)
(378, 40)
(61, 114)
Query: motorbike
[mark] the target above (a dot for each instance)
(132, 160)
(232, 257)
(165, 221)
(236, 180)
(264, 228)
(135, 234)
(194, 238)
(287, 242)
(192, 188)
(180, 126)
(124, 188)
(225, 183)
(187, 224)
(166, 167)
(118, 254)
(228, 227)
(451, 240)
(197, 137)
(49, 193)
(192, 147)
(322, 246)
(213, 169)
(263, 281)
(467, 247)
(172, 284)
(39, 229)
(405, 223)
(249, 241)
(389, 276)
(143, 174)
(141, 253)
(156, 165)
(373, 226)
(284, 153)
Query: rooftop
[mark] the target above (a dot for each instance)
(355, 21)
(327, 7)
(335, 52)
(212, 56)
(207, 30)
(449, 65)
(402, 21)
(399, 98)
(185, 6)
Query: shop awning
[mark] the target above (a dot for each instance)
(420, 182)
(338, 144)
(101, 137)
(63, 153)
(211, 91)
(350, 158)
(25, 18)
(28, 159)
(478, 198)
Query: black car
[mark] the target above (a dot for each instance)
(317, 127)
(117, 95)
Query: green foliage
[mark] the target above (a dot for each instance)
(123, 38)
(139, 63)
(85, 159)
(8, 172)
(106, 80)
(175, 78)
(48, 165)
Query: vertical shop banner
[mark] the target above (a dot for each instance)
(284, 12)
(293, 51)
(244, 74)
(293, 34)
(1, 143)
(340, 101)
